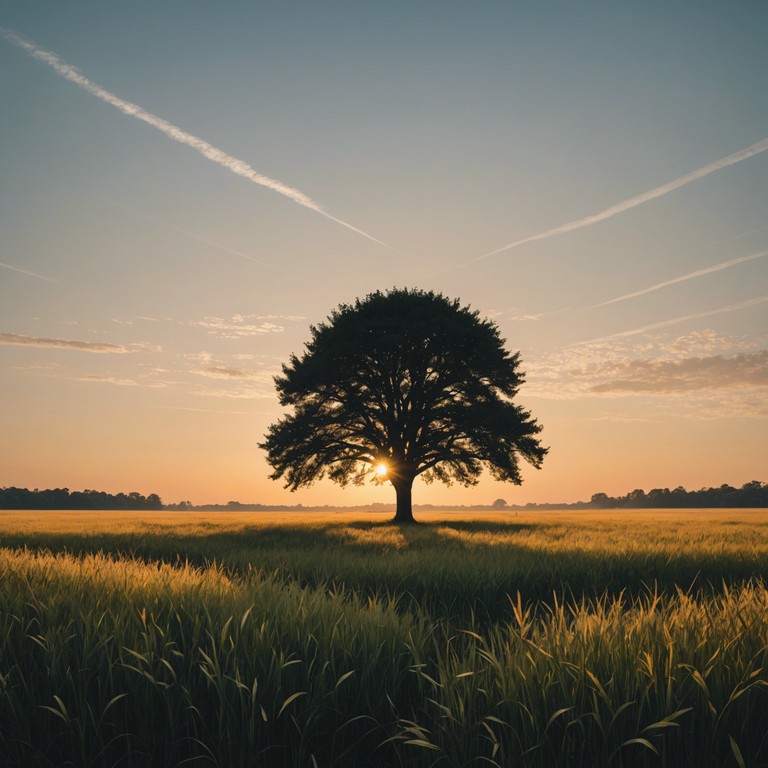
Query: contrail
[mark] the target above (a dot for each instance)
(218, 156)
(27, 272)
(571, 226)
(724, 240)
(160, 222)
(675, 321)
(683, 278)
(186, 232)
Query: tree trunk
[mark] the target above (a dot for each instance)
(404, 512)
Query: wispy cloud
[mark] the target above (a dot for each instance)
(109, 380)
(19, 340)
(633, 202)
(215, 155)
(699, 343)
(145, 346)
(676, 320)
(230, 372)
(683, 278)
(700, 375)
(237, 393)
(240, 326)
(39, 368)
(83, 346)
(748, 369)
(27, 272)
(572, 372)
(516, 314)
(144, 381)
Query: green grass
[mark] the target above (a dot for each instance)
(570, 639)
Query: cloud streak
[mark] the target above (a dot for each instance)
(27, 272)
(683, 278)
(242, 325)
(240, 393)
(633, 202)
(229, 372)
(215, 155)
(700, 375)
(691, 374)
(17, 339)
(108, 380)
(675, 321)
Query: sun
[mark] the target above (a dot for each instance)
(380, 469)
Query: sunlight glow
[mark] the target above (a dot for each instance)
(380, 469)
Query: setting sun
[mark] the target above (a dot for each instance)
(381, 469)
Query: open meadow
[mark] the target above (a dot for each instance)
(611, 638)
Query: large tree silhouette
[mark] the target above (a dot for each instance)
(397, 385)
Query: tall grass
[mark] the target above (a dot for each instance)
(347, 643)
(463, 568)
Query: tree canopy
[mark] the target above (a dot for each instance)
(401, 384)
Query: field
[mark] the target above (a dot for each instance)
(232, 639)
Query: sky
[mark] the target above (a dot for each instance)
(186, 187)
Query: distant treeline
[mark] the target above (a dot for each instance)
(752, 494)
(62, 498)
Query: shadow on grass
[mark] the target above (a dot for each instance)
(445, 565)
(328, 550)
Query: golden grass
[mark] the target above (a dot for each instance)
(539, 639)
(716, 530)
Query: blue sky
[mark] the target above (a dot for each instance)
(445, 130)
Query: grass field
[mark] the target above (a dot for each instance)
(538, 639)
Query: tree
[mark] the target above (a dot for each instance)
(402, 384)
(636, 498)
